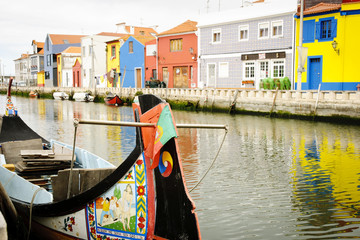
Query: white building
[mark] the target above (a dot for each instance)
(93, 58)
(22, 69)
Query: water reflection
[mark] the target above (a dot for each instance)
(273, 179)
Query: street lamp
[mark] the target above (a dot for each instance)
(334, 44)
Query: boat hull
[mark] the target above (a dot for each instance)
(113, 101)
(138, 200)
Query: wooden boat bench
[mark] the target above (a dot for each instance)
(34, 163)
(82, 180)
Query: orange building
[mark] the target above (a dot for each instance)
(150, 60)
(177, 56)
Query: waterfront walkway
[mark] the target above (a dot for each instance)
(283, 103)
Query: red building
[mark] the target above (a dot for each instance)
(177, 56)
(77, 73)
(150, 60)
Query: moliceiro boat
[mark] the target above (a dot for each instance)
(61, 192)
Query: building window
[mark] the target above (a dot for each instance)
(263, 30)
(48, 60)
(154, 74)
(278, 69)
(83, 51)
(249, 70)
(113, 51)
(176, 45)
(223, 70)
(326, 29)
(131, 46)
(216, 35)
(90, 50)
(244, 33)
(277, 29)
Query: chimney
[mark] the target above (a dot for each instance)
(120, 28)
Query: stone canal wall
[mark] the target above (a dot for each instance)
(307, 104)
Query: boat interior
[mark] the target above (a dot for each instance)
(32, 164)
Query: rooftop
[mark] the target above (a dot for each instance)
(321, 8)
(188, 26)
(72, 50)
(65, 39)
(257, 10)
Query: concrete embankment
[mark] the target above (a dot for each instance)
(337, 106)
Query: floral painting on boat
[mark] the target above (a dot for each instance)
(122, 210)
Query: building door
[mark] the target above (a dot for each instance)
(211, 75)
(55, 78)
(165, 76)
(138, 78)
(181, 77)
(264, 69)
(315, 72)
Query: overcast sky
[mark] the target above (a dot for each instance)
(22, 21)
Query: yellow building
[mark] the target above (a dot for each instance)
(113, 62)
(331, 33)
(41, 78)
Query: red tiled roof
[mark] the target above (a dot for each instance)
(38, 44)
(65, 39)
(109, 34)
(143, 39)
(321, 8)
(188, 26)
(23, 56)
(72, 50)
(144, 31)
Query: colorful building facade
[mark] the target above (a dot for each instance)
(150, 61)
(54, 44)
(113, 62)
(331, 36)
(76, 71)
(177, 56)
(132, 61)
(65, 62)
(239, 48)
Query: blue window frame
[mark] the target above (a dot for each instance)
(309, 31)
(326, 29)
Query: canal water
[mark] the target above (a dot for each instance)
(273, 179)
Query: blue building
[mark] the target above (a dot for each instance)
(132, 60)
(56, 43)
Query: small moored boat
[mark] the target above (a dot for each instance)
(60, 96)
(83, 97)
(33, 94)
(112, 100)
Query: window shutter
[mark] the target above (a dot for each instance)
(333, 28)
(317, 30)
